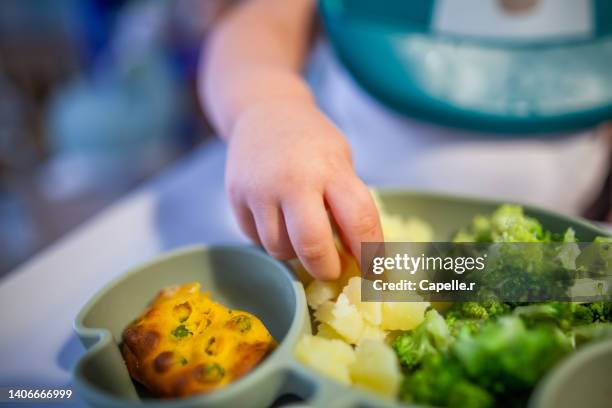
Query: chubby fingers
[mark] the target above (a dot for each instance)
(311, 235)
(246, 221)
(355, 213)
(270, 223)
(299, 227)
(263, 222)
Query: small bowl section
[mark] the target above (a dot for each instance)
(583, 380)
(238, 277)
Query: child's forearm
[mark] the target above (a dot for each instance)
(287, 164)
(254, 56)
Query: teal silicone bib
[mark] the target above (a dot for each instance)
(397, 52)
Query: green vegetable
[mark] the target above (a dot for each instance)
(565, 315)
(431, 337)
(502, 362)
(592, 332)
(180, 332)
(601, 311)
(506, 357)
(527, 273)
(441, 381)
(240, 322)
(507, 224)
(468, 395)
(477, 310)
(493, 352)
(470, 316)
(522, 272)
(596, 260)
(470, 326)
(209, 373)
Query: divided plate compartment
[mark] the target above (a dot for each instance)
(246, 278)
(241, 278)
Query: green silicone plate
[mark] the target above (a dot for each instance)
(246, 278)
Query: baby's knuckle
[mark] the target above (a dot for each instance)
(259, 196)
(367, 224)
(335, 165)
(289, 179)
(279, 252)
(313, 251)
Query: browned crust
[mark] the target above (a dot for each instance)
(185, 344)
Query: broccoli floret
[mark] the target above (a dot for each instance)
(522, 272)
(468, 395)
(595, 260)
(510, 224)
(502, 362)
(441, 381)
(596, 323)
(477, 310)
(565, 315)
(569, 236)
(410, 349)
(579, 314)
(468, 310)
(495, 351)
(436, 333)
(457, 326)
(507, 224)
(600, 311)
(506, 357)
(430, 337)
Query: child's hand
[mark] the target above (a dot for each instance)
(286, 164)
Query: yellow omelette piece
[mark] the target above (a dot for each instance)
(185, 343)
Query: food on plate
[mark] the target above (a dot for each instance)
(331, 357)
(372, 364)
(375, 368)
(185, 343)
(476, 354)
(402, 229)
(364, 328)
(402, 315)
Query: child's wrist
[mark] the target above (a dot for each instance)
(261, 87)
(268, 108)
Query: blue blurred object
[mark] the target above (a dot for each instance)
(84, 23)
(118, 124)
(411, 56)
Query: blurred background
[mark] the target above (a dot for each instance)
(95, 97)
